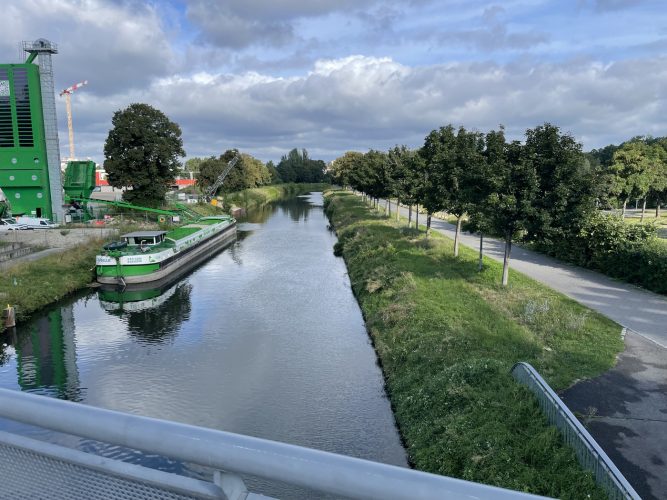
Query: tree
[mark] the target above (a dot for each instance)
(515, 188)
(141, 152)
(375, 169)
(430, 192)
(343, 169)
(463, 177)
(404, 177)
(480, 185)
(297, 166)
(565, 189)
(273, 171)
(633, 171)
(248, 173)
(659, 185)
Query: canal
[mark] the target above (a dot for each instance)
(264, 339)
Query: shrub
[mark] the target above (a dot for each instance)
(631, 252)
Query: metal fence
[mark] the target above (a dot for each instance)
(589, 453)
(35, 469)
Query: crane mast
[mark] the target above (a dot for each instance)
(210, 192)
(68, 103)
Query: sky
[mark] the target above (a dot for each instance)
(266, 76)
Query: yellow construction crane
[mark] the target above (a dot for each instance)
(68, 101)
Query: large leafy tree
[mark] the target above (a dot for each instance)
(343, 169)
(142, 153)
(515, 188)
(464, 176)
(404, 177)
(565, 189)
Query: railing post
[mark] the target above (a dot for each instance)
(231, 485)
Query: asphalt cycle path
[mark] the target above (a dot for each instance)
(626, 407)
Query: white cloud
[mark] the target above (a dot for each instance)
(114, 46)
(361, 102)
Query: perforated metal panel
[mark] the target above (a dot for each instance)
(28, 475)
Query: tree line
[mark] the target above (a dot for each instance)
(633, 170)
(143, 149)
(296, 166)
(537, 190)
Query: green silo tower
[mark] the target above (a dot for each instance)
(29, 158)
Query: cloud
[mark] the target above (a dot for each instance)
(361, 102)
(242, 23)
(113, 45)
(493, 35)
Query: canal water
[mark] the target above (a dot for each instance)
(264, 339)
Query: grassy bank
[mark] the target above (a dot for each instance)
(447, 336)
(251, 198)
(32, 285)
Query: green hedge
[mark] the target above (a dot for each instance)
(631, 252)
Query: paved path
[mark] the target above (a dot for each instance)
(30, 257)
(628, 403)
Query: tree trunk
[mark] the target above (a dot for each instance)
(625, 203)
(417, 217)
(506, 260)
(398, 209)
(641, 219)
(480, 265)
(409, 215)
(389, 206)
(657, 209)
(457, 235)
(428, 224)
(386, 208)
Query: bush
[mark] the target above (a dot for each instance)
(631, 252)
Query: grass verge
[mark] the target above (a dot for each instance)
(447, 336)
(32, 285)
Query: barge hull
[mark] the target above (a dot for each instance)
(180, 264)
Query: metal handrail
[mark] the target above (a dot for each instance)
(589, 453)
(313, 469)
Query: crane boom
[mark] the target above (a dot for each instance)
(213, 188)
(68, 103)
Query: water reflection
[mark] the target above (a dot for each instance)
(152, 315)
(46, 355)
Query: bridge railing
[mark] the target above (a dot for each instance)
(30, 466)
(589, 453)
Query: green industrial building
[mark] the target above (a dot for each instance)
(29, 158)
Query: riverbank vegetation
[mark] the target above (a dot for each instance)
(544, 191)
(447, 335)
(252, 198)
(29, 286)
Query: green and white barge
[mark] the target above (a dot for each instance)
(147, 256)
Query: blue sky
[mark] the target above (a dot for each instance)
(335, 75)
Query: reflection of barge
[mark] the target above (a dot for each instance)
(147, 256)
(113, 299)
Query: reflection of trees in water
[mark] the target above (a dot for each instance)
(161, 323)
(296, 209)
(259, 215)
